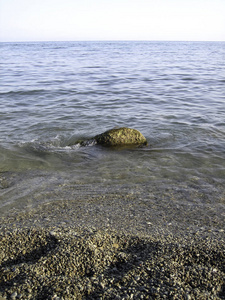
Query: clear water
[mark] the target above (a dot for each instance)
(53, 94)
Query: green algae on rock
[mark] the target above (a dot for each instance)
(121, 136)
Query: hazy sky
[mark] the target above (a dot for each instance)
(69, 20)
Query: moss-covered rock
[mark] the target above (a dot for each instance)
(121, 136)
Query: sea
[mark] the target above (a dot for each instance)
(54, 94)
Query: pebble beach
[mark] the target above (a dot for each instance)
(79, 220)
(72, 250)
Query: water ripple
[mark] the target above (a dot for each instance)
(172, 92)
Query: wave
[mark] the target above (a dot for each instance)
(24, 92)
(56, 145)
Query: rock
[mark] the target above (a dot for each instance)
(121, 136)
(13, 296)
(114, 137)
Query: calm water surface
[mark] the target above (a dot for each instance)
(53, 94)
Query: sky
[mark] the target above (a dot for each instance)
(71, 20)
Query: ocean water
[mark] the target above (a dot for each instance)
(53, 94)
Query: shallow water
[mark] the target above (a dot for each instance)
(53, 94)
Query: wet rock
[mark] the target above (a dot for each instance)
(85, 143)
(121, 136)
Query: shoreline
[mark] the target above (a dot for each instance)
(113, 246)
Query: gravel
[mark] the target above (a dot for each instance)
(127, 245)
(70, 263)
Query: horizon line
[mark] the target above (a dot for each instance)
(102, 40)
